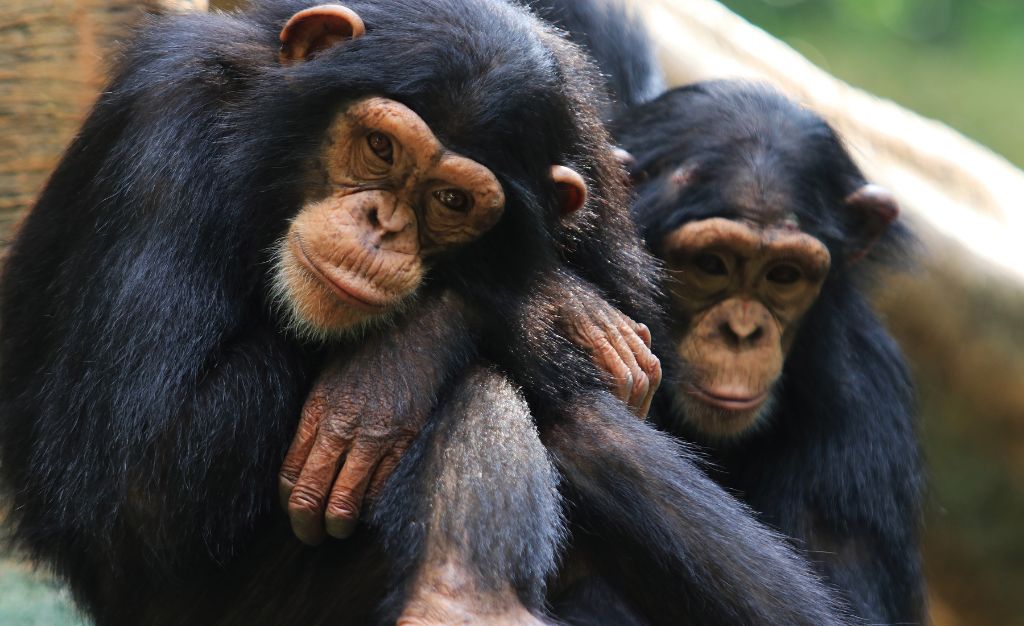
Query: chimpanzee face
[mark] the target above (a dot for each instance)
(739, 289)
(391, 196)
(753, 203)
(384, 197)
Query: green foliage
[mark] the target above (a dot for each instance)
(960, 61)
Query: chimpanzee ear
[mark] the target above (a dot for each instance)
(572, 189)
(318, 28)
(874, 208)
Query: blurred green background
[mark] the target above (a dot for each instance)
(960, 61)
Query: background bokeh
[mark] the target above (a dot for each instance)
(959, 61)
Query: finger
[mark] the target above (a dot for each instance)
(645, 333)
(650, 371)
(385, 468)
(654, 373)
(295, 460)
(617, 356)
(308, 498)
(350, 487)
(598, 335)
(651, 367)
(622, 377)
(640, 329)
(621, 331)
(638, 392)
(595, 340)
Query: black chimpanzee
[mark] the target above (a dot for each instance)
(384, 160)
(769, 234)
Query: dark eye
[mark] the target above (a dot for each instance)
(454, 199)
(711, 264)
(784, 274)
(381, 146)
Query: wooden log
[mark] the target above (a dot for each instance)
(53, 57)
(960, 195)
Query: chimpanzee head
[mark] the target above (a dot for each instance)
(443, 139)
(754, 206)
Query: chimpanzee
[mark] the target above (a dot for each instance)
(158, 302)
(769, 234)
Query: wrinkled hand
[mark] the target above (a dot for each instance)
(345, 450)
(618, 346)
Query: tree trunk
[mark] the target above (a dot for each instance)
(53, 57)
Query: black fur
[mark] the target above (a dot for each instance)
(837, 465)
(147, 393)
(617, 39)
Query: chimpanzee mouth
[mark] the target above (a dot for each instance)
(728, 402)
(342, 290)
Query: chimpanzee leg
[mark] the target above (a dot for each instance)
(472, 515)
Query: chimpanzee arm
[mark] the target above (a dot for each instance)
(365, 409)
(549, 333)
(718, 565)
(694, 553)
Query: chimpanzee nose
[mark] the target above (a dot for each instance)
(388, 217)
(742, 330)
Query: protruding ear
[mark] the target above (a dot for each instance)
(318, 28)
(874, 208)
(572, 189)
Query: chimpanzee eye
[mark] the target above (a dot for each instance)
(454, 199)
(784, 274)
(711, 264)
(380, 144)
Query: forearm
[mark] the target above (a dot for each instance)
(365, 410)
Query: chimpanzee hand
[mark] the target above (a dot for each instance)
(344, 427)
(363, 413)
(617, 344)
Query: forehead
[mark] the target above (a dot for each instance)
(760, 188)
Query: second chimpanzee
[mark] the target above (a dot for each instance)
(148, 389)
(769, 234)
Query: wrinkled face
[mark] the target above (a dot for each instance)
(388, 196)
(740, 290)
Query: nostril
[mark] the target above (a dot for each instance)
(726, 330)
(755, 336)
(740, 334)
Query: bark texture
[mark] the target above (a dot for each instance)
(53, 57)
